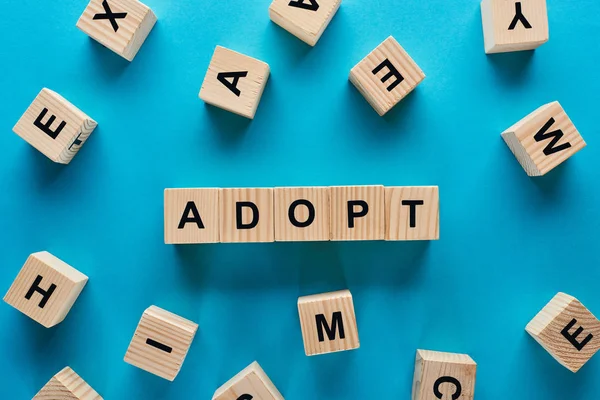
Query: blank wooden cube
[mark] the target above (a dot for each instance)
(302, 214)
(120, 25)
(250, 384)
(191, 216)
(386, 75)
(328, 322)
(247, 215)
(67, 385)
(357, 213)
(45, 289)
(412, 213)
(54, 126)
(234, 82)
(161, 342)
(443, 376)
(543, 139)
(305, 19)
(567, 330)
(510, 25)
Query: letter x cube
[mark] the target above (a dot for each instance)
(386, 75)
(567, 330)
(328, 322)
(543, 139)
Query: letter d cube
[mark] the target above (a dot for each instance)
(567, 330)
(45, 289)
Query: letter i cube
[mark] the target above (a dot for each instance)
(386, 75)
(45, 289)
(567, 330)
(54, 126)
(305, 19)
(250, 384)
(328, 322)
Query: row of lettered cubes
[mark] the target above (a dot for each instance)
(46, 289)
(206, 215)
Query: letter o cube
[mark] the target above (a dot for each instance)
(440, 375)
(250, 384)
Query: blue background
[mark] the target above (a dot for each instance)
(508, 242)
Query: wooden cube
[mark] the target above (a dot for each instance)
(386, 75)
(250, 384)
(45, 289)
(302, 214)
(67, 385)
(328, 322)
(191, 216)
(247, 215)
(412, 213)
(443, 376)
(510, 25)
(161, 342)
(357, 213)
(305, 19)
(120, 25)
(234, 82)
(543, 139)
(567, 330)
(54, 126)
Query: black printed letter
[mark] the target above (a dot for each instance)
(413, 210)
(159, 346)
(313, 6)
(337, 322)
(447, 379)
(111, 16)
(245, 397)
(555, 135)
(393, 72)
(222, 77)
(573, 338)
(352, 214)
(45, 293)
(185, 218)
(519, 17)
(46, 128)
(238, 215)
(311, 213)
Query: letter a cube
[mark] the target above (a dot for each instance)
(120, 25)
(305, 19)
(54, 126)
(161, 342)
(543, 139)
(67, 385)
(45, 289)
(250, 384)
(328, 322)
(191, 216)
(386, 75)
(567, 330)
(511, 25)
(441, 375)
(234, 82)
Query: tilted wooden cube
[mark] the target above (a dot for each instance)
(247, 215)
(305, 19)
(386, 75)
(543, 139)
(54, 126)
(357, 213)
(192, 215)
(67, 385)
(250, 384)
(120, 25)
(328, 322)
(45, 289)
(510, 25)
(567, 330)
(412, 213)
(302, 214)
(234, 82)
(441, 375)
(161, 342)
